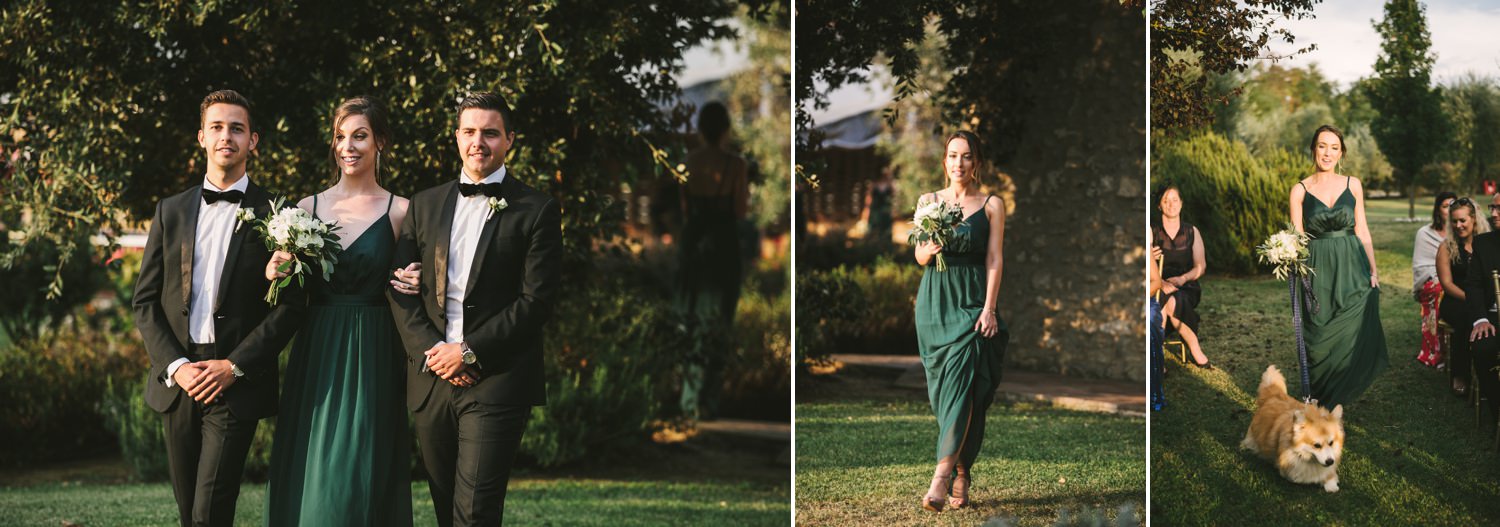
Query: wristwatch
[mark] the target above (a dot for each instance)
(236, 369)
(469, 357)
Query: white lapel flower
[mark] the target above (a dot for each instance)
(496, 205)
(243, 216)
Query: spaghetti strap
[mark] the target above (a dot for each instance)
(388, 202)
(315, 207)
(1346, 182)
(1304, 188)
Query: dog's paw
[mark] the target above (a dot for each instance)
(1331, 485)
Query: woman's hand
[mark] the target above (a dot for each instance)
(409, 280)
(926, 250)
(1168, 288)
(1374, 281)
(1177, 281)
(277, 258)
(987, 325)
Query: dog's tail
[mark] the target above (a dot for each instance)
(1271, 383)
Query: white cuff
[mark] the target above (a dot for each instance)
(172, 370)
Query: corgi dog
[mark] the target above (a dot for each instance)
(1304, 440)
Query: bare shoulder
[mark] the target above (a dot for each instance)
(1355, 185)
(1299, 189)
(400, 205)
(306, 204)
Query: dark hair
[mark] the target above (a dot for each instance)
(1163, 192)
(373, 111)
(226, 97)
(713, 121)
(1438, 221)
(1312, 146)
(483, 100)
(974, 147)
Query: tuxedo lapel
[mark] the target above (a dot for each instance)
(444, 234)
(189, 238)
(253, 198)
(486, 235)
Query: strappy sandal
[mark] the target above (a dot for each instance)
(962, 482)
(930, 503)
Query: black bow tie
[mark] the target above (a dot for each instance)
(232, 196)
(490, 190)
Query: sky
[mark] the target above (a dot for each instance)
(1465, 37)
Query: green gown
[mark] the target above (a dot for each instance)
(342, 453)
(963, 368)
(1345, 342)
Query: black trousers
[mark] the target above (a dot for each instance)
(1486, 354)
(206, 447)
(468, 448)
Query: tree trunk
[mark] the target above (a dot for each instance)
(1411, 200)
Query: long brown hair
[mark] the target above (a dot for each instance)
(374, 112)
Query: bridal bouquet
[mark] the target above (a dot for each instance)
(295, 231)
(1286, 252)
(935, 222)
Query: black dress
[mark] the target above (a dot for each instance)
(708, 293)
(1177, 260)
(1456, 313)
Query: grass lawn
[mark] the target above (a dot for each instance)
(865, 456)
(706, 481)
(529, 502)
(1412, 454)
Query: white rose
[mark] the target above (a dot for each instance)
(309, 241)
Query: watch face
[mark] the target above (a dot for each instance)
(469, 357)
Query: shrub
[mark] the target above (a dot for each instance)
(137, 427)
(52, 384)
(889, 290)
(1234, 199)
(611, 349)
(824, 300)
(757, 382)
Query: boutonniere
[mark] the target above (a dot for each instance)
(243, 216)
(496, 205)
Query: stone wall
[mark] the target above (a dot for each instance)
(1073, 289)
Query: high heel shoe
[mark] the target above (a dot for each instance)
(962, 482)
(1207, 365)
(936, 504)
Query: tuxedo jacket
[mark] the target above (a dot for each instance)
(508, 297)
(247, 331)
(1478, 286)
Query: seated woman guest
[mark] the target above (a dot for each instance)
(1452, 263)
(1425, 286)
(1183, 264)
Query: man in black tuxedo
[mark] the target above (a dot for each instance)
(1479, 302)
(489, 248)
(198, 304)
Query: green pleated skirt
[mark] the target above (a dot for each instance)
(342, 453)
(1345, 342)
(963, 368)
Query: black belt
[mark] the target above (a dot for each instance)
(962, 259)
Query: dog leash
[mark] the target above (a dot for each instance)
(1312, 301)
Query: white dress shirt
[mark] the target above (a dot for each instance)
(468, 222)
(215, 226)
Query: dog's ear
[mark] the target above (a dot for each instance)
(1298, 417)
(1338, 412)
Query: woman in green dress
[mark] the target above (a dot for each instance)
(342, 453)
(959, 335)
(1345, 343)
